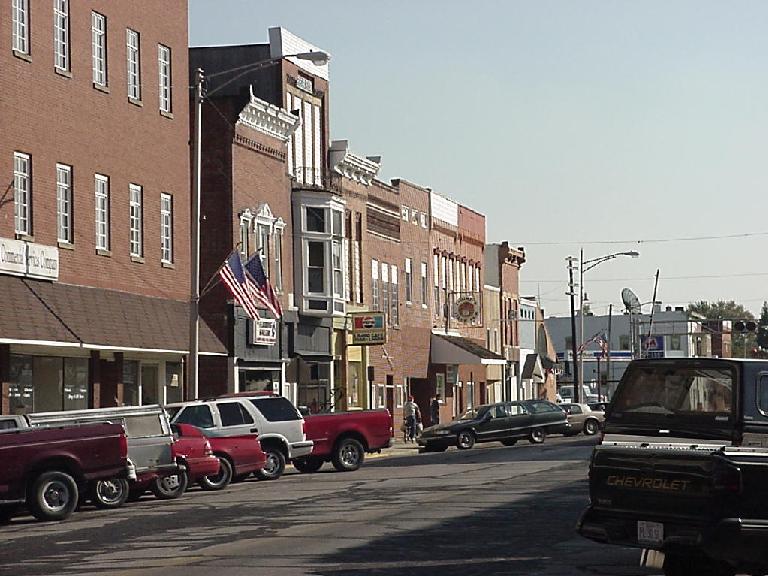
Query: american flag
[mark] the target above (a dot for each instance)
(233, 275)
(258, 286)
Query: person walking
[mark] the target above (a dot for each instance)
(434, 410)
(411, 416)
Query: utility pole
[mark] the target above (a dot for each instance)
(608, 359)
(571, 293)
(194, 300)
(577, 395)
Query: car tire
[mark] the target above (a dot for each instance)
(591, 427)
(308, 465)
(465, 439)
(109, 494)
(220, 480)
(171, 486)
(509, 442)
(348, 455)
(537, 436)
(52, 496)
(275, 465)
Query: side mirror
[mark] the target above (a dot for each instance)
(304, 410)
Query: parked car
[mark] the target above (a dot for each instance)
(277, 422)
(150, 450)
(48, 468)
(239, 456)
(505, 422)
(194, 454)
(343, 438)
(583, 418)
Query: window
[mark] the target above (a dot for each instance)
(164, 69)
(440, 386)
(316, 267)
(375, 292)
(408, 281)
(134, 63)
(298, 142)
(233, 414)
(263, 237)
(22, 193)
(64, 202)
(21, 26)
(61, 34)
(423, 218)
(166, 228)
(395, 298)
(436, 281)
(338, 271)
(199, 416)
(278, 275)
(315, 219)
(400, 395)
(674, 342)
(624, 342)
(424, 284)
(102, 212)
(318, 138)
(477, 278)
(309, 165)
(405, 212)
(385, 291)
(276, 409)
(137, 232)
(99, 48)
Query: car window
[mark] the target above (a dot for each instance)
(233, 414)
(8, 424)
(540, 407)
(498, 411)
(516, 409)
(199, 416)
(575, 409)
(276, 409)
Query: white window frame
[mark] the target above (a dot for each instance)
(101, 193)
(307, 126)
(375, 286)
(399, 395)
(404, 212)
(22, 193)
(278, 276)
(318, 139)
(20, 17)
(408, 281)
(337, 267)
(133, 63)
(99, 48)
(166, 228)
(325, 245)
(394, 298)
(61, 35)
(424, 289)
(64, 203)
(164, 78)
(136, 201)
(290, 152)
(299, 163)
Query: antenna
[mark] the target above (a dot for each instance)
(630, 301)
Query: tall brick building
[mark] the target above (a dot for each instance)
(94, 213)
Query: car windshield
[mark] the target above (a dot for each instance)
(662, 391)
(470, 414)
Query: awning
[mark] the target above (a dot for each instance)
(532, 370)
(459, 350)
(54, 314)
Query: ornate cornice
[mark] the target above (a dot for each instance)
(350, 165)
(268, 118)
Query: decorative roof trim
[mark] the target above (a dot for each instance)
(350, 165)
(268, 118)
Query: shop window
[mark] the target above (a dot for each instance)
(22, 391)
(130, 383)
(173, 384)
(440, 387)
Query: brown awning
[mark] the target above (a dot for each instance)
(51, 313)
(459, 350)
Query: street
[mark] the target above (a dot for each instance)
(490, 510)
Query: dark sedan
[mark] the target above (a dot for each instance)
(505, 422)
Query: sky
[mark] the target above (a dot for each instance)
(606, 126)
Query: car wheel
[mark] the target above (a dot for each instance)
(348, 456)
(465, 440)
(218, 481)
(274, 466)
(112, 493)
(171, 486)
(537, 436)
(52, 496)
(509, 442)
(308, 465)
(591, 427)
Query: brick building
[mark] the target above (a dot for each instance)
(94, 218)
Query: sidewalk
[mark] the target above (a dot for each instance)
(398, 448)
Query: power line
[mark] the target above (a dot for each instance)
(646, 241)
(692, 277)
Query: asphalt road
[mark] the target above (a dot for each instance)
(488, 511)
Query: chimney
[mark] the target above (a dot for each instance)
(679, 309)
(668, 309)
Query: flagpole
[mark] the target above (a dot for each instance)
(194, 312)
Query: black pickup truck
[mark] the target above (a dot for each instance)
(682, 469)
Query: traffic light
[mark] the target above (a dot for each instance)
(744, 326)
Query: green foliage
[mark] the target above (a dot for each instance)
(725, 310)
(762, 328)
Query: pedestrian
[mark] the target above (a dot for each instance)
(411, 415)
(434, 410)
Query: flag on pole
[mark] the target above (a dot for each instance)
(258, 285)
(233, 275)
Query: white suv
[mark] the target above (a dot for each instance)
(277, 422)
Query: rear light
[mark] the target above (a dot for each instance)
(124, 445)
(207, 450)
(727, 479)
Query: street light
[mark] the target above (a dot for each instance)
(319, 58)
(586, 266)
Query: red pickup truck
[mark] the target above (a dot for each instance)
(48, 468)
(343, 438)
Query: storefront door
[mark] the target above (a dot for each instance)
(149, 385)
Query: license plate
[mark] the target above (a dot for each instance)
(650, 532)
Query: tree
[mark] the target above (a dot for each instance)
(743, 343)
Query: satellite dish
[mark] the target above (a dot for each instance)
(630, 301)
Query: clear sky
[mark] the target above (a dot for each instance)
(574, 123)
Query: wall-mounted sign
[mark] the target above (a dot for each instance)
(264, 332)
(305, 84)
(466, 308)
(28, 259)
(451, 374)
(368, 328)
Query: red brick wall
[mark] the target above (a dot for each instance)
(64, 119)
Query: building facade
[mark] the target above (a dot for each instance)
(94, 227)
